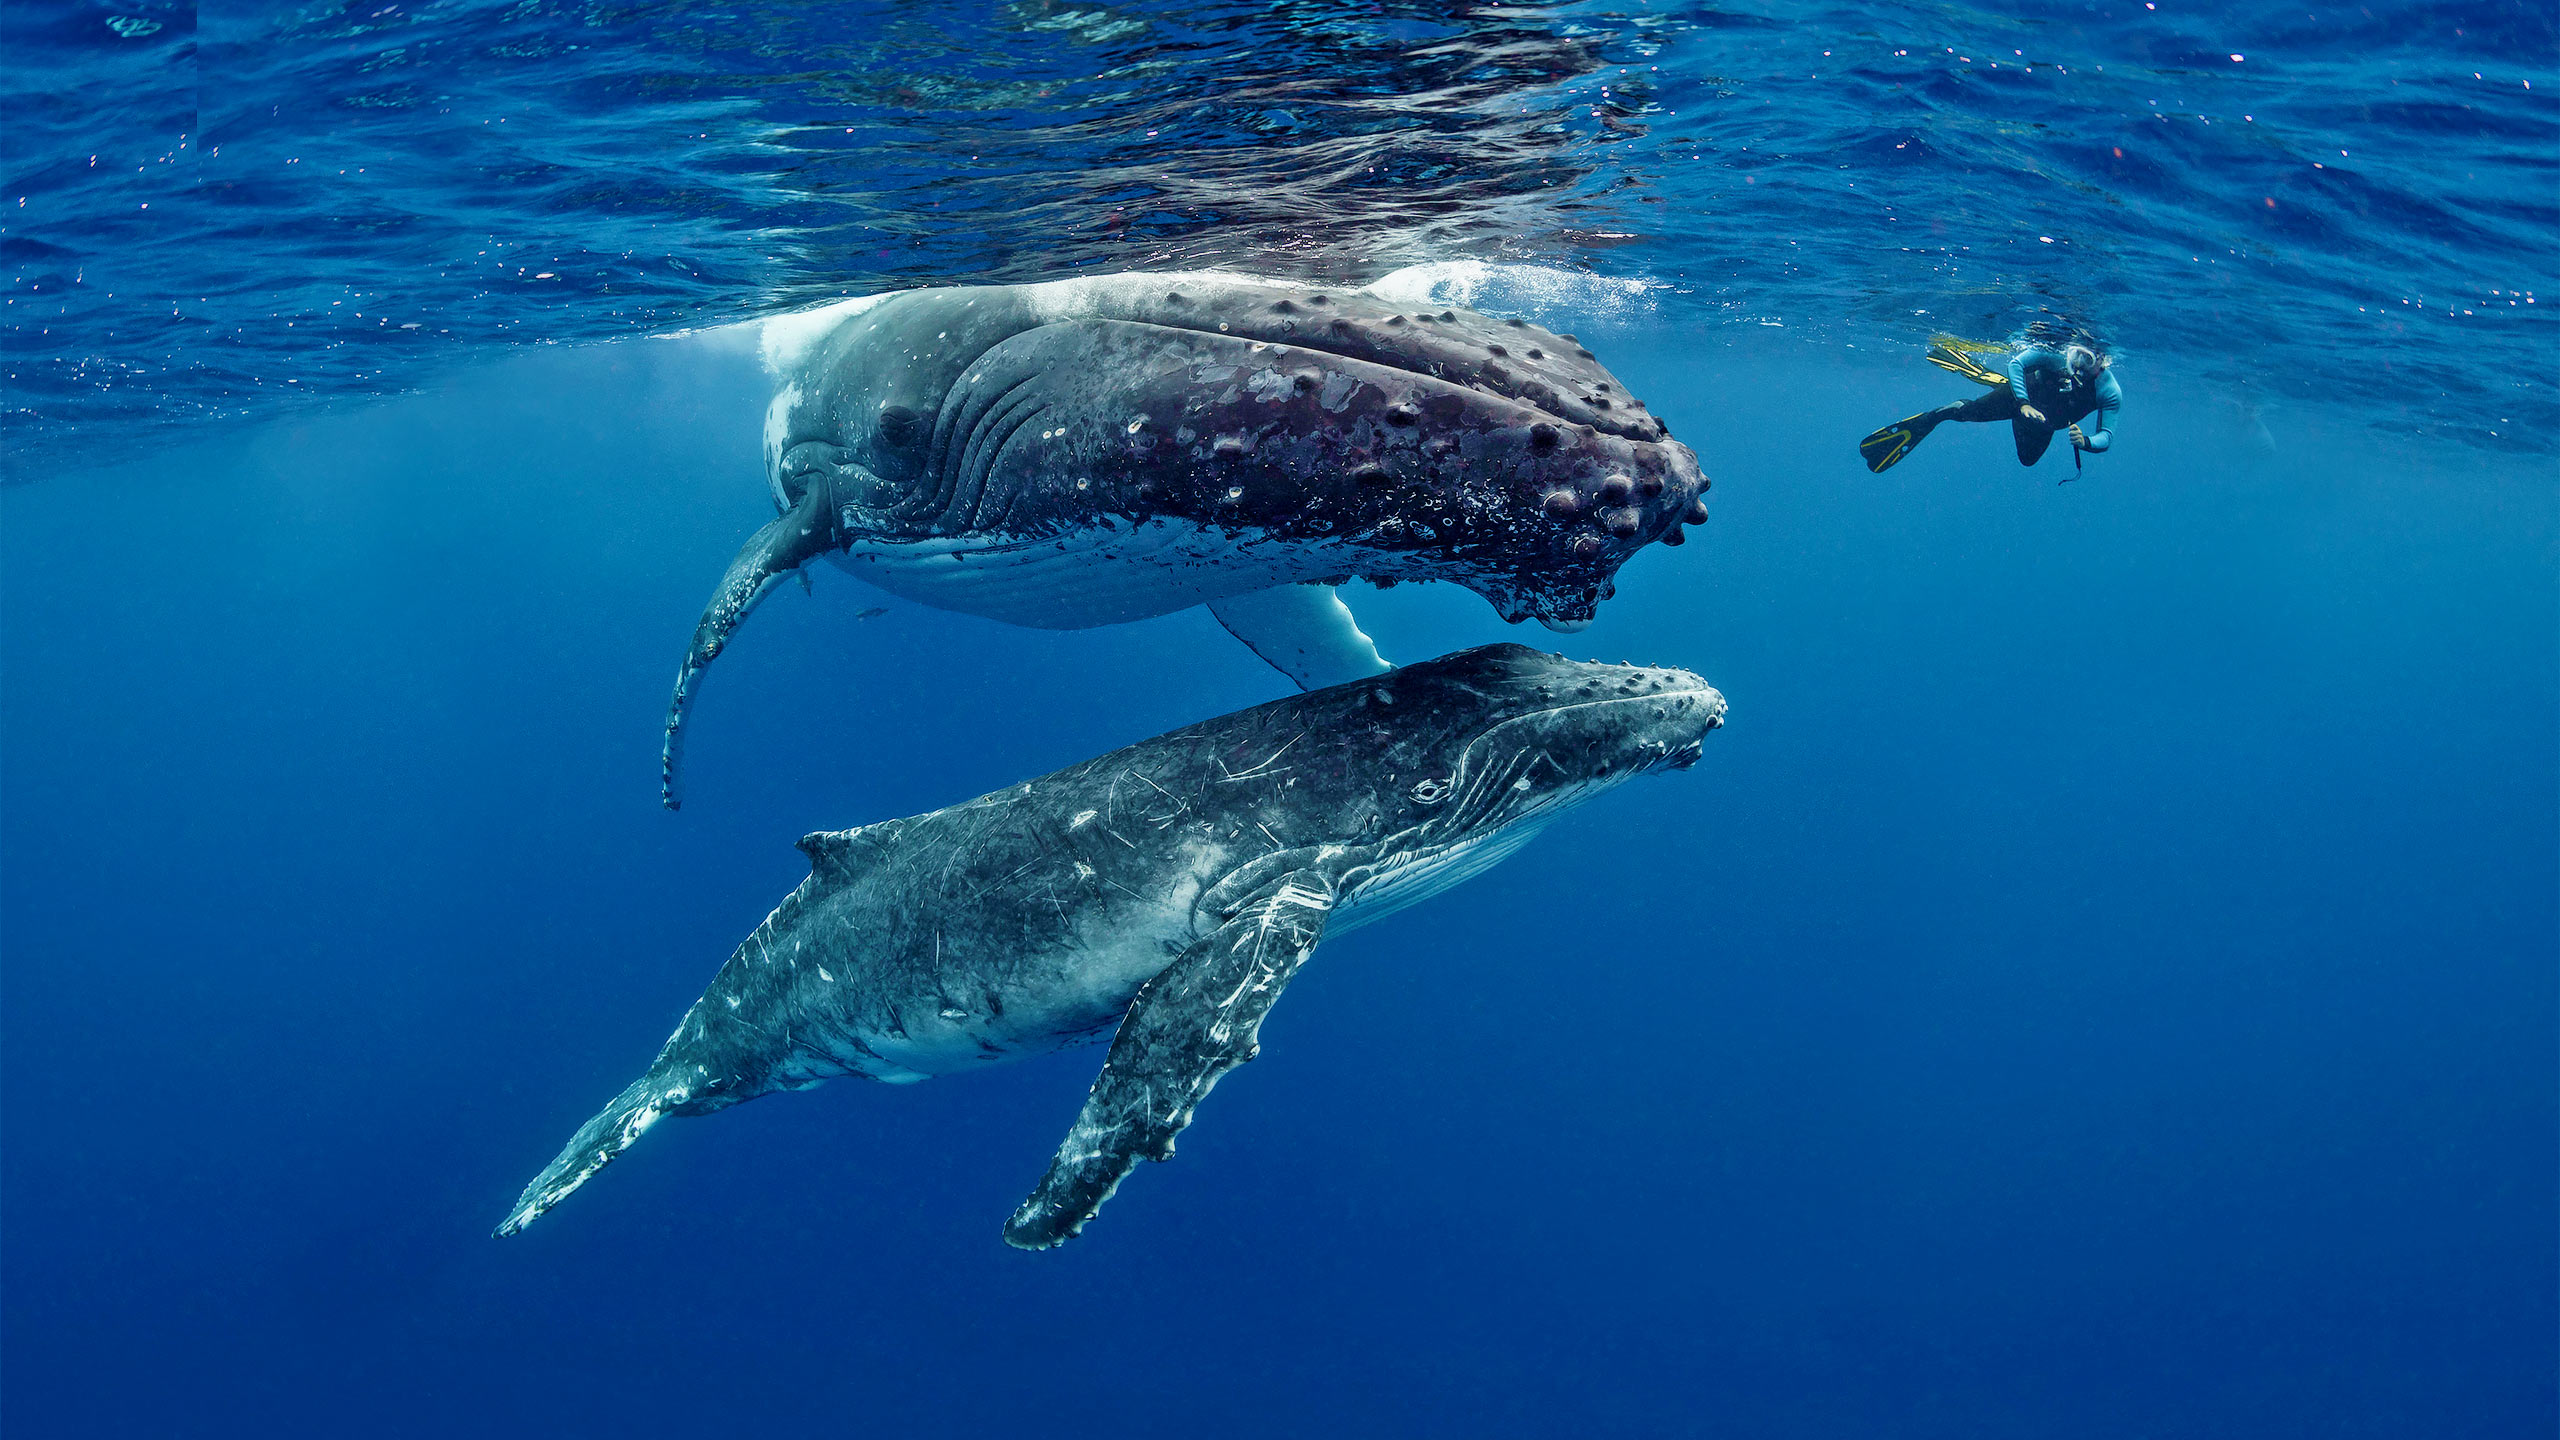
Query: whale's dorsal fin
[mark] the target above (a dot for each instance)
(1305, 631)
(1195, 1021)
(844, 854)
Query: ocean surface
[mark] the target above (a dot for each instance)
(2104, 981)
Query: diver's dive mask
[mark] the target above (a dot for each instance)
(2081, 366)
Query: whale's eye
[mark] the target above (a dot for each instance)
(1431, 792)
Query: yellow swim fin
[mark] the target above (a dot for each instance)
(1884, 449)
(1948, 358)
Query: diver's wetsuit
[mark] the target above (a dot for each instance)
(2035, 378)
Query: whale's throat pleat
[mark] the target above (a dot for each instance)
(1103, 574)
(1401, 880)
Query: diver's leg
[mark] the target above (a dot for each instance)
(1988, 406)
(1885, 448)
(2032, 439)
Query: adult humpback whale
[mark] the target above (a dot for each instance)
(1172, 887)
(1091, 451)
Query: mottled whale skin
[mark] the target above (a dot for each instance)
(1092, 451)
(1170, 889)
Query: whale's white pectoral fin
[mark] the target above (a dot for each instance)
(1305, 631)
(799, 536)
(1192, 1023)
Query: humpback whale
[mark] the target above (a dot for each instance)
(1091, 451)
(1170, 889)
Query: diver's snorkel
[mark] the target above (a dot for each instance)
(2080, 366)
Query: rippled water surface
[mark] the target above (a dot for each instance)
(224, 214)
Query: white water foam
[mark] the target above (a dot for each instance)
(788, 338)
(1532, 292)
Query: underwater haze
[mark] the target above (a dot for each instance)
(2103, 980)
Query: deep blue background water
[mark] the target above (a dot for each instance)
(2101, 983)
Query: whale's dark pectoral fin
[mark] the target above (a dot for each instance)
(801, 535)
(1305, 631)
(1193, 1023)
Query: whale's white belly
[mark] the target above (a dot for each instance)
(1113, 573)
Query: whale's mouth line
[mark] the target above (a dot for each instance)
(1491, 792)
(1713, 720)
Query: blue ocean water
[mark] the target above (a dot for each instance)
(2101, 982)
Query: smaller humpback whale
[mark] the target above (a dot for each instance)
(1170, 888)
(1087, 452)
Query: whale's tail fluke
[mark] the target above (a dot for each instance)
(802, 534)
(594, 1146)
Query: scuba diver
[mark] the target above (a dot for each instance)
(2047, 389)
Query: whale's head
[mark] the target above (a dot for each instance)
(1372, 438)
(1474, 753)
(1503, 736)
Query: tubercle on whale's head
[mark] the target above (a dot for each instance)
(1419, 480)
(1561, 557)
(1491, 452)
(1506, 734)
